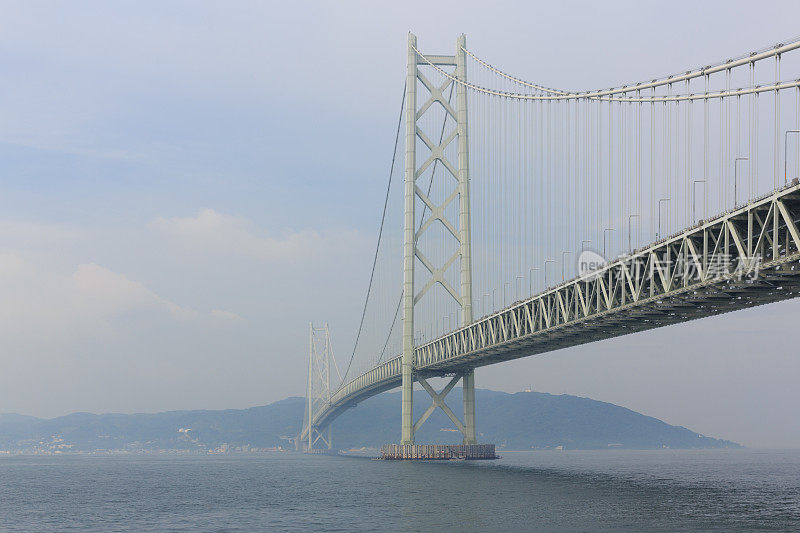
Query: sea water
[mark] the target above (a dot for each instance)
(665, 490)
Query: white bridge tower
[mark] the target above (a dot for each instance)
(458, 170)
(318, 395)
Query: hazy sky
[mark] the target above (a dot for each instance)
(184, 185)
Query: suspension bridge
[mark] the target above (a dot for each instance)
(526, 219)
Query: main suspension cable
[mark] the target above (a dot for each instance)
(380, 233)
(607, 95)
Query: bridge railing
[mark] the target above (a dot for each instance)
(380, 373)
(344, 396)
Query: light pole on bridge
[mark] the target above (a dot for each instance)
(630, 247)
(660, 203)
(530, 280)
(605, 231)
(736, 179)
(786, 154)
(563, 253)
(545, 269)
(694, 197)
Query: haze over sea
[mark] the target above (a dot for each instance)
(665, 490)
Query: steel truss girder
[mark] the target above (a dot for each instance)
(746, 257)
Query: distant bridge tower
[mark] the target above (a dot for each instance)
(318, 394)
(456, 163)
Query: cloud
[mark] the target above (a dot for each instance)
(213, 232)
(178, 312)
(104, 293)
(24, 233)
(225, 315)
(39, 304)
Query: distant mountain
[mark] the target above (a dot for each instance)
(518, 421)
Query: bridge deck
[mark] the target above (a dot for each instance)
(743, 258)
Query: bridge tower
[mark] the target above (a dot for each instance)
(318, 394)
(453, 67)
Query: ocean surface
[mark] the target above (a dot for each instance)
(719, 490)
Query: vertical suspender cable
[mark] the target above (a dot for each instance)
(689, 192)
(750, 134)
(667, 160)
(652, 167)
(639, 171)
(705, 150)
(726, 132)
(610, 170)
(777, 120)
